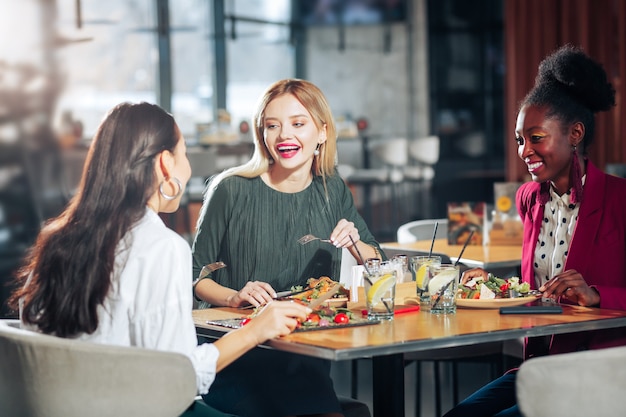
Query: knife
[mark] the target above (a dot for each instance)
(287, 294)
(322, 298)
(313, 304)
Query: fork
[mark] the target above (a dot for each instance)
(310, 238)
(208, 268)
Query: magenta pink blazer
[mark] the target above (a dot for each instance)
(597, 250)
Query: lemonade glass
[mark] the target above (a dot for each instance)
(380, 293)
(420, 268)
(443, 287)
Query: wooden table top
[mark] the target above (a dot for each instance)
(420, 331)
(488, 256)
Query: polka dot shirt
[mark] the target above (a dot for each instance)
(557, 228)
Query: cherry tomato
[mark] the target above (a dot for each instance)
(245, 321)
(313, 318)
(341, 318)
(504, 287)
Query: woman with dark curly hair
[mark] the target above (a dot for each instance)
(574, 247)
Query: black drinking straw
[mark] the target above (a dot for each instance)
(359, 253)
(445, 287)
(390, 310)
(464, 246)
(432, 244)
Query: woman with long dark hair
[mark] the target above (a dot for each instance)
(108, 270)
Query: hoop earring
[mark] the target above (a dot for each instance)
(178, 193)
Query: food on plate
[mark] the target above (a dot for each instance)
(317, 287)
(327, 316)
(324, 315)
(494, 287)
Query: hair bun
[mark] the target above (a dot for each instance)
(574, 72)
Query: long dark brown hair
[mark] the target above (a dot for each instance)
(67, 272)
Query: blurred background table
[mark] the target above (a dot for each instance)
(488, 256)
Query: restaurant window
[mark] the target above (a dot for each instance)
(106, 54)
(192, 63)
(114, 57)
(258, 49)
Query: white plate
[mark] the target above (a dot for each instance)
(495, 302)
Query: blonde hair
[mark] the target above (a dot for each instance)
(312, 98)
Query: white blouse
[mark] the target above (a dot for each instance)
(557, 228)
(150, 301)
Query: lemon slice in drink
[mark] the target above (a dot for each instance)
(420, 275)
(380, 287)
(441, 279)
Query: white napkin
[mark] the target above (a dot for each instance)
(356, 282)
(347, 262)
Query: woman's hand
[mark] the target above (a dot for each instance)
(340, 237)
(277, 318)
(473, 273)
(254, 292)
(572, 286)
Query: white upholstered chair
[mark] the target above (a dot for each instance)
(589, 383)
(391, 158)
(47, 376)
(424, 154)
(422, 230)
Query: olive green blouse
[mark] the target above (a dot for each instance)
(254, 229)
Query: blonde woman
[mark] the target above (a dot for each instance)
(251, 219)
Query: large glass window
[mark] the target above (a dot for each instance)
(111, 58)
(114, 57)
(191, 44)
(258, 49)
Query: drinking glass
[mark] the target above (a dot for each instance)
(380, 292)
(422, 274)
(402, 263)
(443, 287)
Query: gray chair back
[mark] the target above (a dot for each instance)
(43, 375)
(588, 383)
(422, 230)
